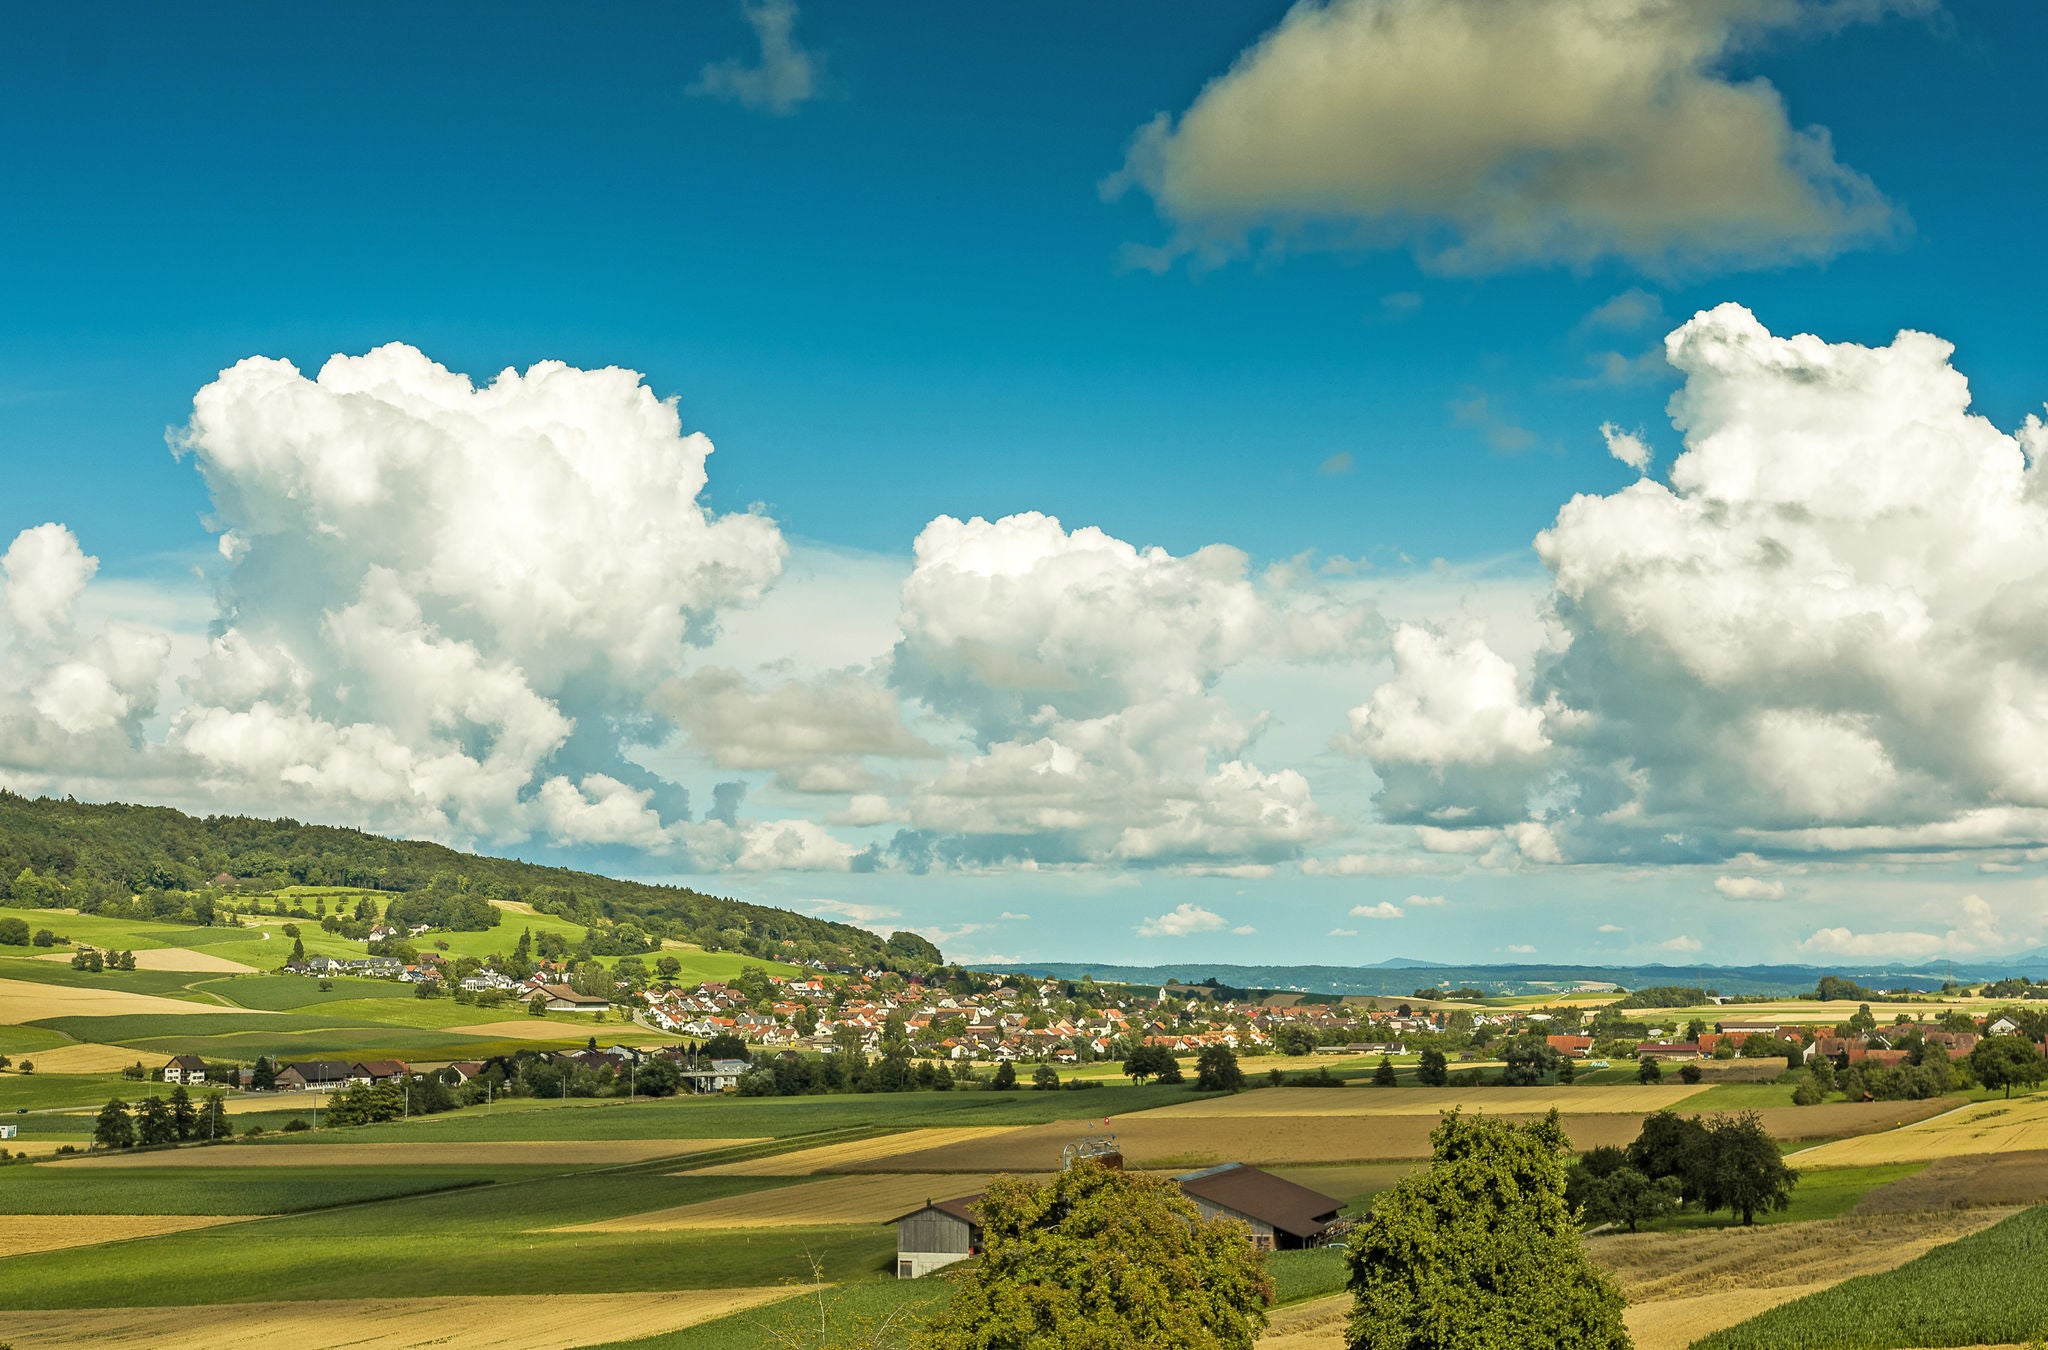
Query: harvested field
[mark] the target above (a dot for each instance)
(89, 1057)
(482, 1154)
(175, 958)
(865, 1199)
(23, 1001)
(22, 1233)
(513, 1322)
(1370, 1101)
(1965, 1183)
(855, 1156)
(1347, 1181)
(1982, 1127)
(1766, 1070)
(1165, 1139)
(1313, 1324)
(1680, 1286)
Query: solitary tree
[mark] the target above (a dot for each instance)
(2007, 1062)
(1671, 1145)
(1045, 1078)
(1005, 1079)
(1648, 1070)
(1384, 1075)
(1524, 1061)
(1098, 1257)
(1481, 1252)
(1169, 1071)
(1744, 1171)
(1216, 1070)
(1146, 1061)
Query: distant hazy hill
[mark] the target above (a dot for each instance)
(1403, 976)
(97, 854)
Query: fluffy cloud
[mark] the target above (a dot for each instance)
(1083, 668)
(1447, 123)
(71, 702)
(1182, 920)
(1626, 446)
(1818, 636)
(814, 734)
(1451, 734)
(1385, 909)
(1976, 931)
(785, 78)
(1750, 888)
(445, 609)
(1681, 943)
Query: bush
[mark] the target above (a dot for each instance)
(13, 933)
(296, 1125)
(1689, 1073)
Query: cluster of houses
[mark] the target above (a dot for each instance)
(331, 1075)
(431, 968)
(1874, 1046)
(1016, 1023)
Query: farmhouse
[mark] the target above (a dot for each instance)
(1574, 1047)
(187, 1069)
(561, 998)
(1281, 1215)
(936, 1235)
(317, 1074)
(369, 1071)
(724, 1074)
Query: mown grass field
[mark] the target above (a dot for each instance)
(1985, 1289)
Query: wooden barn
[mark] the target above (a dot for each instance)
(1281, 1215)
(936, 1235)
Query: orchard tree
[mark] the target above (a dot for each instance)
(1146, 1061)
(2007, 1062)
(1744, 1170)
(1481, 1251)
(1045, 1078)
(1216, 1070)
(1102, 1257)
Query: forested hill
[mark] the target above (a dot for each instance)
(164, 863)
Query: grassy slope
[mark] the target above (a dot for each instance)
(1982, 1289)
(214, 1190)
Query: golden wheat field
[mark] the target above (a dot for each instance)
(1369, 1101)
(1982, 1127)
(486, 1153)
(22, 1233)
(88, 1057)
(174, 958)
(854, 1156)
(511, 1322)
(25, 1001)
(867, 1198)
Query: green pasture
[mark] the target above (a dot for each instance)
(162, 983)
(16, 1041)
(290, 993)
(491, 1239)
(1822, 1193)
(1979, 1290)
(67, 1189)
(48, 1091)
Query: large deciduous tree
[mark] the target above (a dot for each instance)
(1481, 1252)
(1101, 1259)
(2007, 1062)
(1744, 1171)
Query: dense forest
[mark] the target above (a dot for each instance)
(154, 862)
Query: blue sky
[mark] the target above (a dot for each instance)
(886, 268)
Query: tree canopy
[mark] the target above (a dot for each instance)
(1480, 1252)
(1101, 1259)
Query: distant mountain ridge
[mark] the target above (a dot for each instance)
(1400, 976)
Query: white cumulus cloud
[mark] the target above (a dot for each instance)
(1182, 920)
(782, 80)
(1750, 888)
(1385, 909)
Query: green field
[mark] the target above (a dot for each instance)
(491, 1239)
(1822, 1193)
(1979, 1290)
(881, 1306)
(215, 1190)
